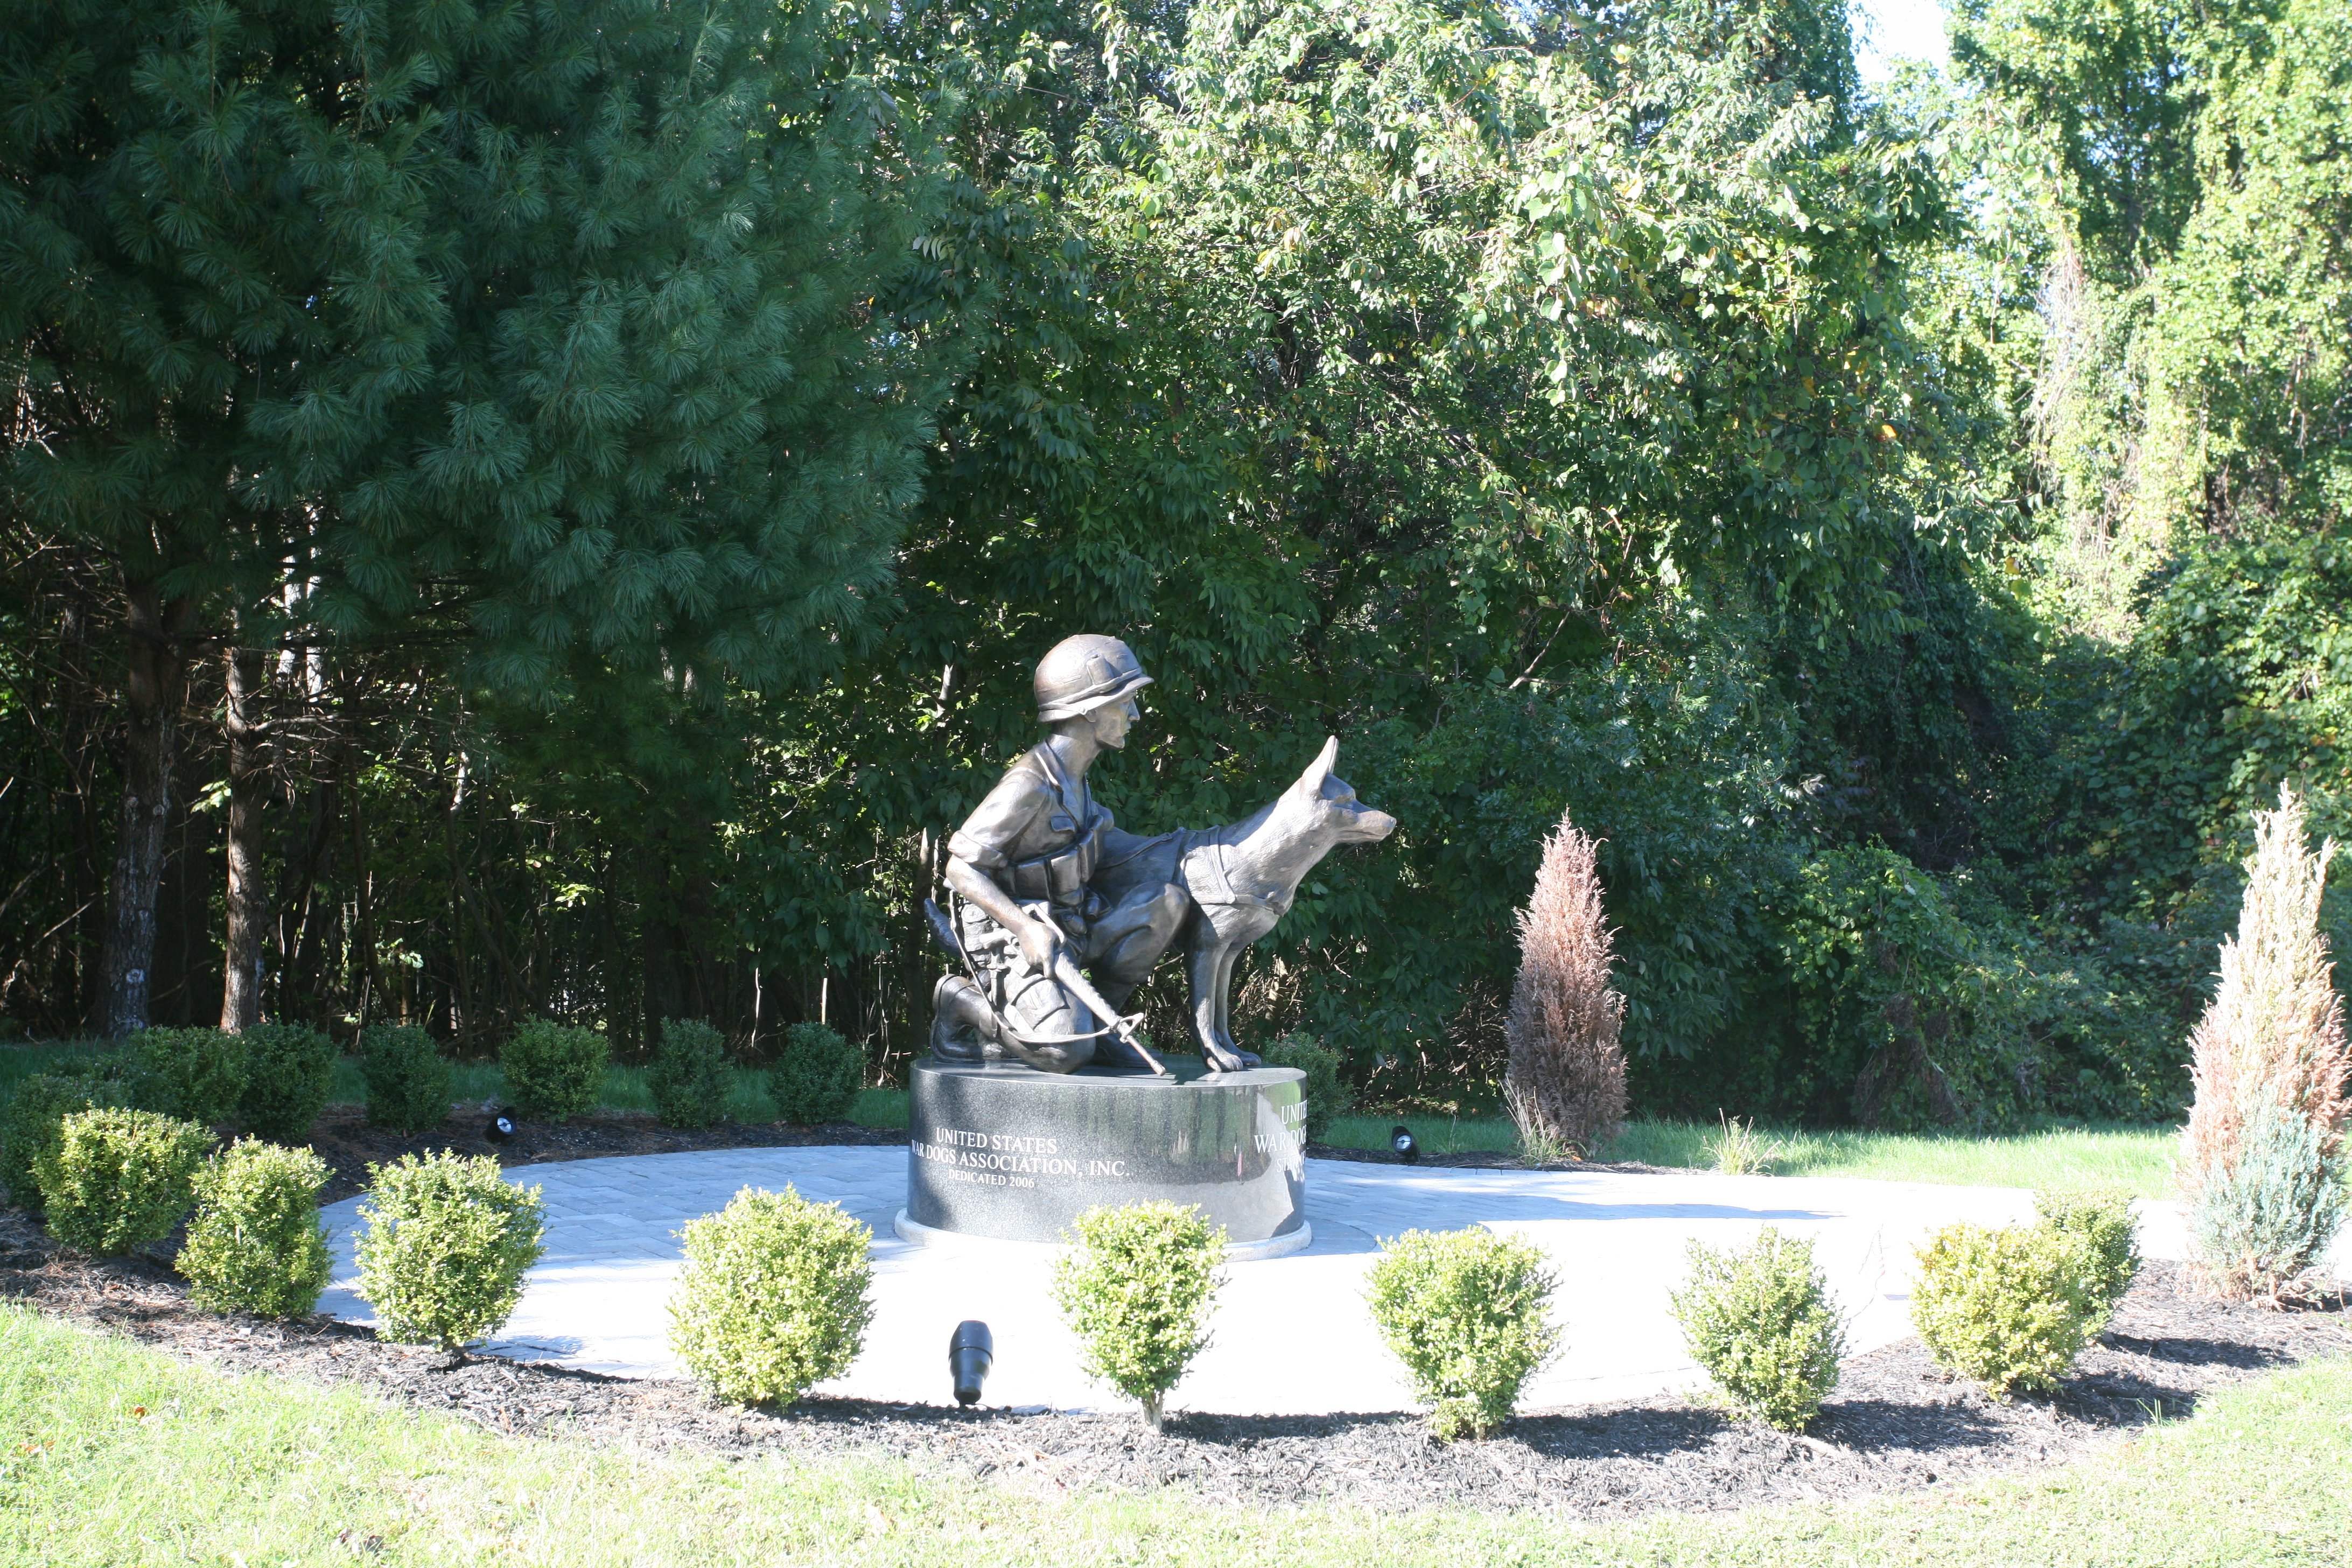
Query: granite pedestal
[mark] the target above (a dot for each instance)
(1014, 1154)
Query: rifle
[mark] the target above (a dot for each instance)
(1065, 972)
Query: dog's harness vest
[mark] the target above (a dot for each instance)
(1209, 876)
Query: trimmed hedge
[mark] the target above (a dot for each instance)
(288, 1071)
(690, 1079)
(773, 1297)
(408, 1082)
(445, 1247)
(255, 1245)
(1468, 1313)
(1136, 1289)
(817, 1076)
(118, 1179)
(34, 1119)
(1762, 1324)
(553, 1071)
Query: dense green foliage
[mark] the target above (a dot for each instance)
(407, 1077)
(1764, 1326)
(36, 1114)
(2100, 1222)
(690, 1078)
(255, 1244)
(116, 1179)
(772, 1299)
(196, 1075)
(288, 1068)
(554, 1071)
(1136, 1288)
(444, 1247)
(816, 1077)
(1905, 527)
(1469, 1313)
(2008, 1306)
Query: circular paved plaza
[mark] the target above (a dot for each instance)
(1291, 1335)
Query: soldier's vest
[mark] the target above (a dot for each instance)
(1059, 874)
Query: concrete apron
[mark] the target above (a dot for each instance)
(1290, 1335)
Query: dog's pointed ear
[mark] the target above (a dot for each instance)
(1311, 781)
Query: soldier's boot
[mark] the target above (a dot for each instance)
(963, 1029)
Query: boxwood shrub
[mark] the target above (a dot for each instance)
(1763, 1325)
(195, 1075)
(443, 1246)
(288, 1071)
(1136, 1288)
(255, 1244)
(2007, 1308)
(2101, 1221)
(408, 1082)
(1469, 1313)
(816, 1077)
(117, 1179)
(553, 1071)
(772, 1299)
(35, 1117)
(691, 1079)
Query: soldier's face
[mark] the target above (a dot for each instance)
(1113, 720)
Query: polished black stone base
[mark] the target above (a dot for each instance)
(1017, 1154)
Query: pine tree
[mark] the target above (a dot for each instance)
(1567, 1075)
(2270, 1067)
(549, 331)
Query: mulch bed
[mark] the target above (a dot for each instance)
(1895, 1423)
(343, 1138)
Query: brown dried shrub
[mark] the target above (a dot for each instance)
(1566, 1082)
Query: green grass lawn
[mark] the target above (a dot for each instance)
(121, 1456)
(2137, 1159)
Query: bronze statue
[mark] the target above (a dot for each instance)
(1062, 915)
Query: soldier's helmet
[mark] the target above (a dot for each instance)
(1082, 673)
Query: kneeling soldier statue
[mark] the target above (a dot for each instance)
(1050, 962)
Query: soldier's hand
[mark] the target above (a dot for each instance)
(1041, 942)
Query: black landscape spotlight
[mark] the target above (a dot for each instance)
(502, 1127)
(1407, 1147)
(971, 1351)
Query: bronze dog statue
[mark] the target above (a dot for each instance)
(1241, 879)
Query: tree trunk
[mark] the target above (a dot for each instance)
(155, 686)
(248, 894)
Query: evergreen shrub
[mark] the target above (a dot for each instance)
(34, 1119)
(2007, 1308)
(255, 1244)
(1327, 1093)
(1137, 1289)
(554, 1071)
(773, 1297)
(816, 1077)
(117, 1179)
(2101, 1221)
(1468, 1313)
(408, 1082)
(2260, 1223)
(445, 1247)
(1763, 1325)
(691, 1079)
(288, 1070)
(193, 1075)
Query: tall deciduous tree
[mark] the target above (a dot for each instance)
(548, 329)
